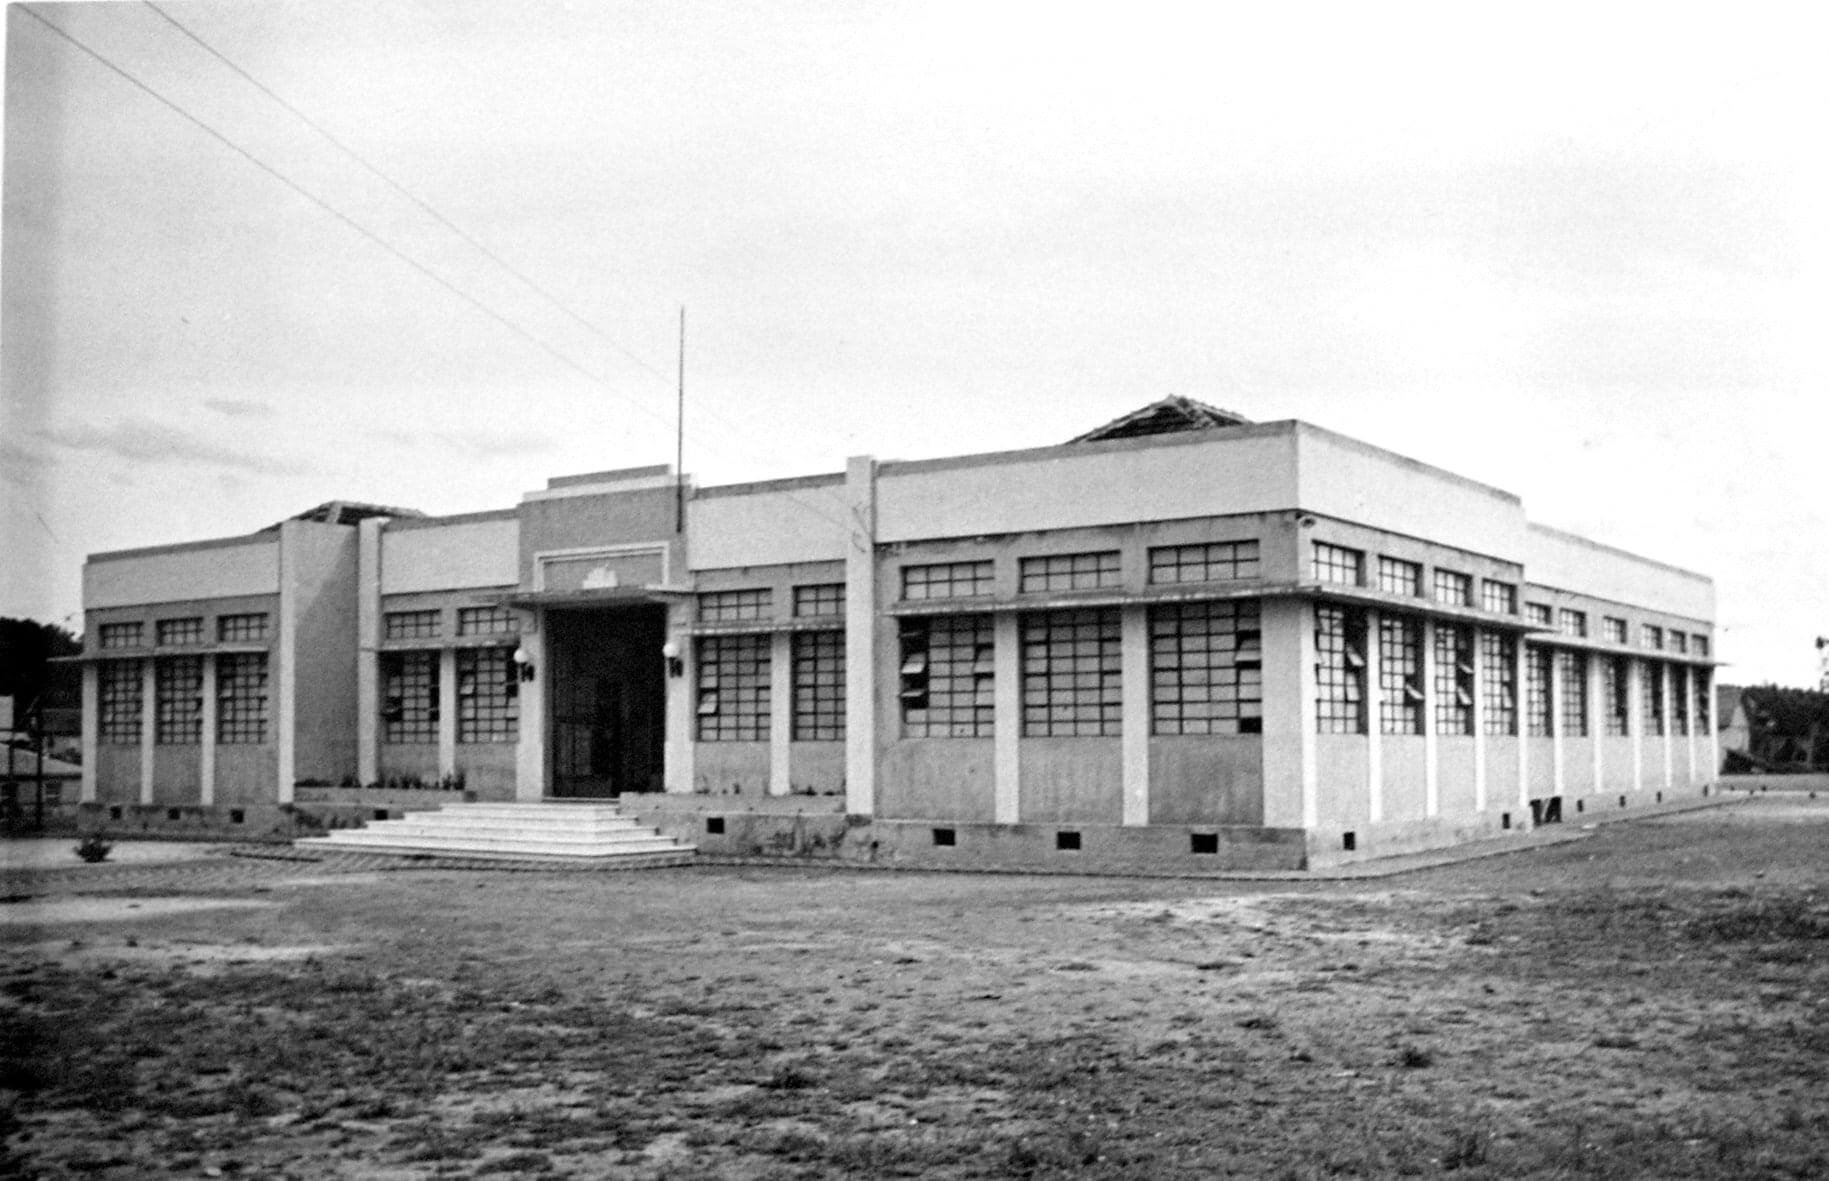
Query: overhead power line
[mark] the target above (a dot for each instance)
(423, 205)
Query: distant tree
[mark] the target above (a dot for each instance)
(1788, 726)
(26, 673)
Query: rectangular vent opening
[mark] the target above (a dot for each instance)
(714, 826)
(1661, 795)
(1203, 842)
(1067, 841)
(946, 837)
(237, 816)
(380, 813)
(173, 814)
(1581, 805)
(114, 813)
(1622, 801)
(1505, 820)
(1349, 841)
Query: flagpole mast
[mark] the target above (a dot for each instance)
(679, 442)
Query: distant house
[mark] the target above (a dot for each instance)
(1182, 639)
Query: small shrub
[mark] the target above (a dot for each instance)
(95, 847)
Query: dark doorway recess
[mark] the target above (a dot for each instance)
(609, 700)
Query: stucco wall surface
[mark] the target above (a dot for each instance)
(1558, 559)
(446, 557)
(1217, 779)
(805, 524)
(211, 572)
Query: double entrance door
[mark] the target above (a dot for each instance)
(609, 700)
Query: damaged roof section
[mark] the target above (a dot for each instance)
(1171, 416)
(346, 512)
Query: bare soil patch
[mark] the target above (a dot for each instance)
(1651, 1002)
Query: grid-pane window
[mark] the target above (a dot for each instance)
(1651, 636)
(1498, 683)
(177, 701)
(122, 698)
(120, 635)
(1454, 588)
(1499, 597)
(1399, 577)
(948, 677)
(409, 696)
(1613, 630)
(410, 625)
(1616, 694)
(1701, 645)
(1698, 680)
(1679, 641)
(1340, 637)
(1218, 561)
(1072, 673)
(947, 580)
(1537, 671)
(1453, 679)
(179, 631)
(733, 688)
(1064, 572)
(1400, 674)
(1679, 698)
(1206, 668)
(819, 686)
(1572, 623)
(486, 621)
(488, 695)
(736, 606)
(819, 599)
(1572, 671)
(241, 698)
(1537, 613)
(1336, 563)
(246, 627)
(1651, 674)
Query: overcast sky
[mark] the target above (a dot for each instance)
(1579, 253)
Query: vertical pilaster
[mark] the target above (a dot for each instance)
(148, 721)
(1432, 780)
(530, 749)
(1556, 761)
(447, 712)
(681, 703)
(92, 728)
(1135, 657)
(1685, 679)
(860, 636)
(1521, 707)
(1597, 720)
(1663, 668)
(1477, 658)
(1635, 721)
(1291, 786)
(780, 713)
(1006, 802)
(368, 647)
(283, 668)
(206, 740)
(1374, 721)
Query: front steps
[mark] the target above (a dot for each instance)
(596, 836)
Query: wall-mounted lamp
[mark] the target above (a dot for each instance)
(675, 666)
(524, 662)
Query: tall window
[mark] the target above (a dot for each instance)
(122, 699)
(733, 688)
(1336, 563)
(1498, 683)
(486, 621)
(1572, 623)
(736, 606)
(488, 695)
(409, 697)
(1400, 674)
(409, 625)
(1454, 588)
(1613, 630)
(819, 686)
(1206, 668)
(1652, 675)
(1062, 572)
(948, 677)
(1616, 693)
(947, 580)
(120, 635)
(1537, 671)
(178, 700)
(1572, 670)
(1218, 561)
(172, 632)
(241, 698)
(1499, 597)
(1072, 673)
(1679, 697)
(1453, 679)
(819, 599)
(1399, 577)
(1340, 645)
(1698, 679)
(248, 627)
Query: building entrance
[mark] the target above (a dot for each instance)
(609, 697)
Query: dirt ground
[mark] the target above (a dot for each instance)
(1652, 1001)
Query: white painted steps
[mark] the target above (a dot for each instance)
(597, 835)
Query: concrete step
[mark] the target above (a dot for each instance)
(659, 859)
(482, 824)
(595, 834)
(365, 839)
